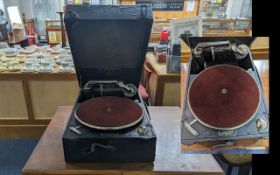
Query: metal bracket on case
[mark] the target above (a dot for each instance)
(189, 127)
(129, 90)
(144, 10)
(75, 129)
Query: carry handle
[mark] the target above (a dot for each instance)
(92, 148)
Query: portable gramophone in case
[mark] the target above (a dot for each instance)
(224, 96)
(109, 121)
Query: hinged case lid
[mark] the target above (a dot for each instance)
(193, 41)
(108, 42)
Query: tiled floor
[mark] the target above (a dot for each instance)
(14, 154)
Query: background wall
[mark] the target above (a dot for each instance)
(2, 6)
(239, 8)
(25, 7)
(35, 8)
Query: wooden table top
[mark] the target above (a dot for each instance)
(254, 144)
(38, 75)
(48, 156)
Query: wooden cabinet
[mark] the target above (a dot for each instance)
(12, 100)
(29, 100)
(163, 87)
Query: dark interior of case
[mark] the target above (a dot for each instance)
(108, 42)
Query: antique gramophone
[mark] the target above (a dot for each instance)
(224, 96)
(109, 121)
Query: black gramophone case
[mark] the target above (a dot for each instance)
(109, 43)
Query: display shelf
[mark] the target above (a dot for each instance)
(53, 32)
(227, 27)
(212, 8)
(193, 11)
(212, 27)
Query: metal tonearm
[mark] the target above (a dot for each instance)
(129, 90)
(241, 51)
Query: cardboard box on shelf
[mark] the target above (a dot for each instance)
(19, 34)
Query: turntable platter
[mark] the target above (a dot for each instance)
(224, 97)
(109, 113)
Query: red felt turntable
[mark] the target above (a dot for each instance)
(224, 97)
(109, 113)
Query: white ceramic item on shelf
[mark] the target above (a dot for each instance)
(65, 67)
(3, 66)
(30, 66)
(51, 60)
(28, 51)
(21, 58)
(35, 60)
(46, 66)
(13, 66)
(61, 58)
(2, 53)
(55, 51)
(5, 59)
(10, 52)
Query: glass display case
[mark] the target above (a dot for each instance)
(230, 27)
(225, 8)
(213, 8)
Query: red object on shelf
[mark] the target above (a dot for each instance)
(161, 58)
(31, 36)
(31, 31)
(164, 35)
